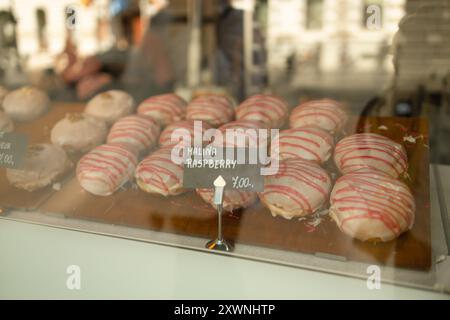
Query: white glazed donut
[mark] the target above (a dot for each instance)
(265, 108)
(232, 199)
(43, 164)
(188, 131)
(311, 144)
(26, 104)
(370, 150)
(141, 132)
(158, 174)
(367, 205)
(105, 169)
(326, 114)
(214, 109)
(298, 189)
(164, 108)
(6, 124)
(78, 132)
(110, 106)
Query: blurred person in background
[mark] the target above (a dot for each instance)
(142, 67)
(88, 75)
(230, 56)
(150, 69)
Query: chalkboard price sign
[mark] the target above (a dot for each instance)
(201, 172)
(13, 147)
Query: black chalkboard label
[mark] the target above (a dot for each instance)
(204, 165)
(13, 147)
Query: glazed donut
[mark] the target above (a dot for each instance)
(110, 106)
(78, 132)
(26, 104)
(164, 108)
(166, 135)
(105, 169)
(241, 126)
(141, 132)
(265, 108)
(311, 144)
(298, 189)
(232, 199)
(370, 150)
(214, 109)
(372, 206)
(43, 164)
(158, 174)
(6, 124)
(326, 114)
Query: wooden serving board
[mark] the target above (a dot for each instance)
(37, 131)
(187, 214)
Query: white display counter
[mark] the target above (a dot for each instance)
(35, 258)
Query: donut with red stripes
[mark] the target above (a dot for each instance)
(373, 151)
(232, 199)
(214, 109)
(105, 169)
(298, 189)
(311, 144)
(239, 130)
(141, 132)
(165, 108)
(326, 114)
(372, 206)
(187, 133)
(265, 108)
(158, 174)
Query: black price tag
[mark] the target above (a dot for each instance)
(13, 147)
(202, 166)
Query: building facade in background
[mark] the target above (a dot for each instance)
(42, 25)
(317, 35)
(332, 35)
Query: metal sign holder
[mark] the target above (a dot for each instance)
(219, 244)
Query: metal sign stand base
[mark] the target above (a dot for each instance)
(219, 245)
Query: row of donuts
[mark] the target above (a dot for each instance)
(302, 187)
(309, 138)
(369, 162)
(29, 103)
(130, 134)
(156, 173)
(367, 202)
(103, 170)
(375, 206)
(267, 111)
(43, 163)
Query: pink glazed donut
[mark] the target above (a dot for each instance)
(298, 189)
(372, 206)
(373, 151)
